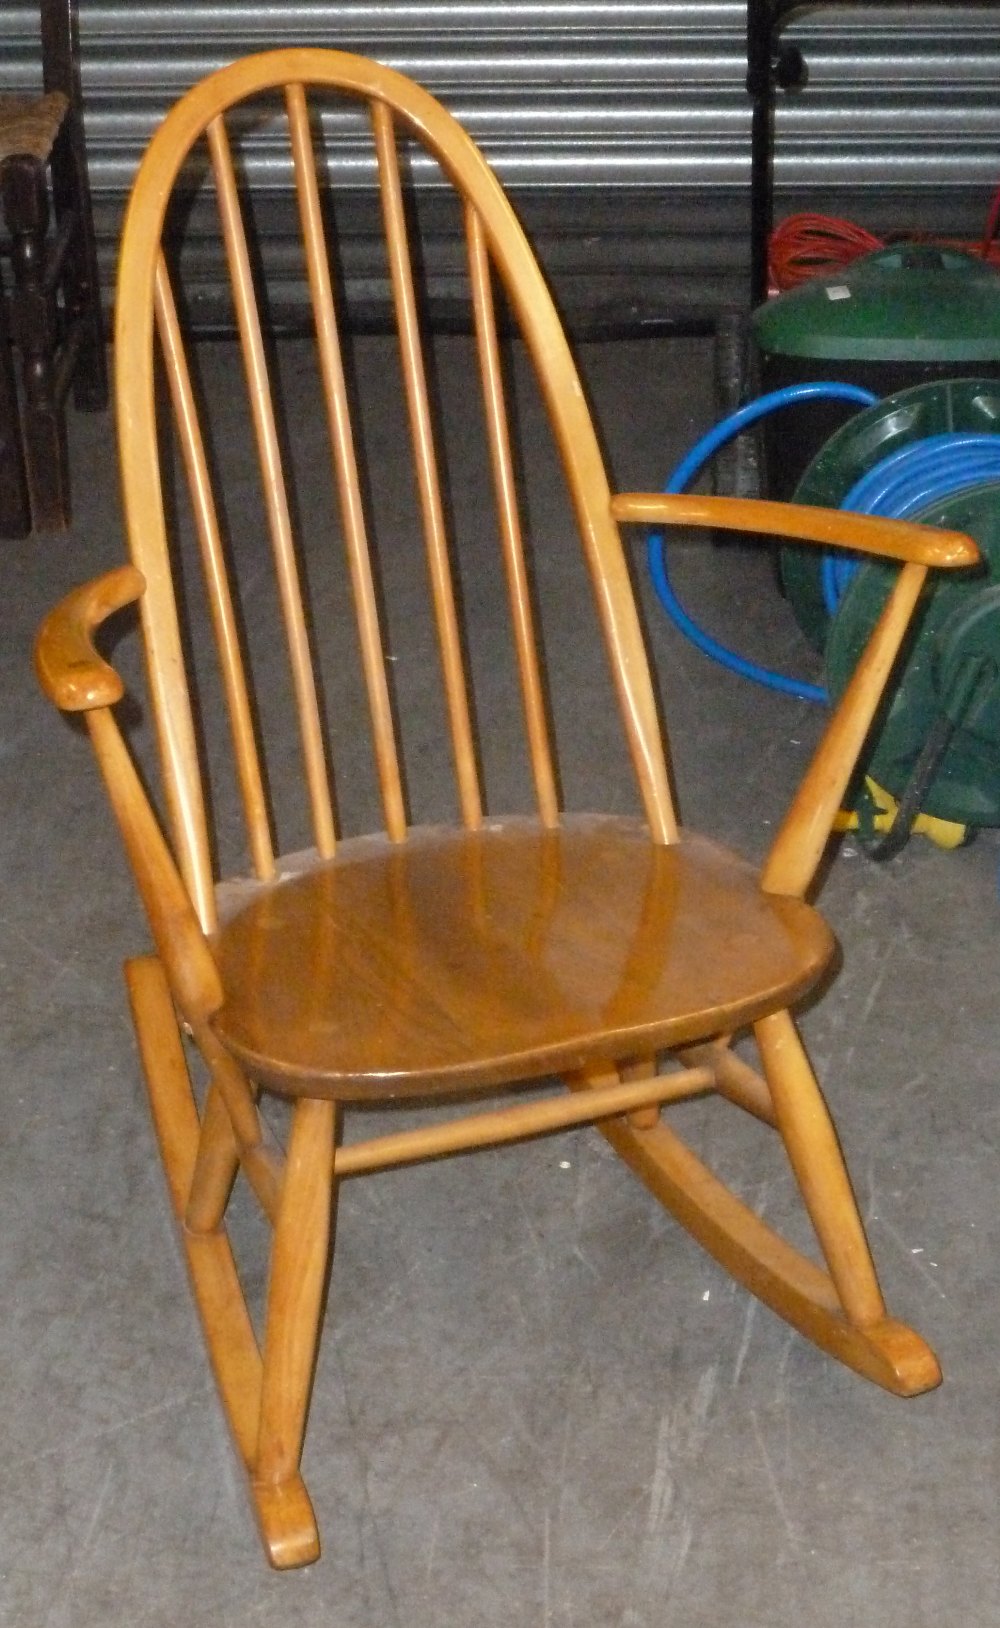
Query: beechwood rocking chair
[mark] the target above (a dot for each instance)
(431, 962)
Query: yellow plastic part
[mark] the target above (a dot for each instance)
(943, 833)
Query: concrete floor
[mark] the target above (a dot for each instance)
(537, 1402)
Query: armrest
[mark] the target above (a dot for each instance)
(78, 679)
(797, 849)
(70, 670)
(831, 528)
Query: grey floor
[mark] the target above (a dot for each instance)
(537, 1402)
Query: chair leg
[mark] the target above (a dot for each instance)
(643, 1068)
(215, 1168)
(34, 332)
(15, 515)
(805, 1126)
(283, 1510)
(80, 279)
(295, 1301)
(844, 1318)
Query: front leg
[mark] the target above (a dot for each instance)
(302, 1239)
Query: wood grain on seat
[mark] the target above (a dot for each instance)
(487, 956)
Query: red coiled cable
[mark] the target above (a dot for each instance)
(812, 245)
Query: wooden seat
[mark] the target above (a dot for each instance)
(410, 959)
(477, 958)
(52, 295)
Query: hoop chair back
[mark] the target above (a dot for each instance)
(496, 248)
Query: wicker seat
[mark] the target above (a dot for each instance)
(29, 125)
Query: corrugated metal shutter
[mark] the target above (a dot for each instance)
(622, 129)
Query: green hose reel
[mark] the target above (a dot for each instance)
(949, 683)
(936, 746)
(891, 424)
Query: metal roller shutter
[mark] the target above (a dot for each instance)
(622, 129)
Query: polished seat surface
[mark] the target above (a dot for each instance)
(487, 955)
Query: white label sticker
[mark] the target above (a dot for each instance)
(837, 291)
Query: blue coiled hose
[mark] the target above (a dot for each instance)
(684, 474)
(901, 485)
(909, 481)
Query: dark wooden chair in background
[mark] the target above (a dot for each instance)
(51, 297)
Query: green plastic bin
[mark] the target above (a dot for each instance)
(899, 317)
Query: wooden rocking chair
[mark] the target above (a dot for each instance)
(434, 962)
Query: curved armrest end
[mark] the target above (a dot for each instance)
(70, 670)
(833, 528)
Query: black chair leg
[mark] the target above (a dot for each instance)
(34, 330)
(80, 288)
(15, 513)
(80, 285)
